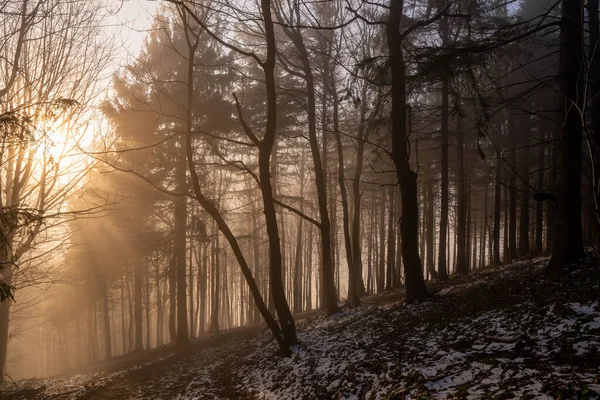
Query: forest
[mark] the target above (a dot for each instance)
(299, 199)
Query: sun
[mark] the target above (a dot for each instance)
(62, 145)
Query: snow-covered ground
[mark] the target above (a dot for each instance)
(505, 333)
(528, 345)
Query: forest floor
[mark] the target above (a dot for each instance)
(501, 333)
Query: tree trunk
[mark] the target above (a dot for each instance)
(357, 196)
(172, 300)
(159, 307)
(462, 266)
(352, 272)
(512, 234)
(539, 210)
(391, 239)
(299, 248)
(409, 225)
(7, 273)
(381, 264)
(124, 337)
(524, 249)
(190, 283)
(497, 211)
(445, 166)
(106, 320)
(216, 282)
(203, 290)
(147, 292)
(431, 230)
(397, 272)
(506, 254)
(137, 310)
(484, 226)
(568, 240)
(594, 47)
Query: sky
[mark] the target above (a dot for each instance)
(130, 20)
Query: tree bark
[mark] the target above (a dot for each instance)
(594, 48)
(106, 320)
(462, 258)
(391, 239)
(357, 196)
(497, 211)
(409, 225)
(524, 249)
(431, 230)
(443, 242)
(512, 233)
(539, 210)
(299, 248)
(568, 240)
(381, 253)
(137, 310)
(7, 274)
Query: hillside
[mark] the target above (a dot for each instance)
(501, 333)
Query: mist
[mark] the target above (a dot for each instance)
(275, 199)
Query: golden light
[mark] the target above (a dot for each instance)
(62, 144)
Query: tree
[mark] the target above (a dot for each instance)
(409, 227)
(328, 290)
(568, 238)
(44, 97)
(285, 333)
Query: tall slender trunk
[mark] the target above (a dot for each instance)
(309, 260)
(594, 48)
(131, 319)
(147, 292)
(137, 310)
(430, 230)
(497, 211)
(124, 337)
(352, 272)
(484, 226)
(91, 334)
(442, 247)
(357, 196)
(172, 300)
(159, 307)
(191, 311)
(216, 289)
(203, 280)
(512, 233)
(409, 225)
(462, 259)
(192, 41)
(469, 226)
(553, 189)
(391, 239)
(568, 240)
(299, 248)
(524, 248)
(539, 210)
(381, 263)
(506, 254)
(286, 321)
(106, 320)
(397, 272)
(7, 275)
(328, 289)
(256, 253)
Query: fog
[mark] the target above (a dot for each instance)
(174, 170)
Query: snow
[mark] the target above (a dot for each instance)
(474, 340)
